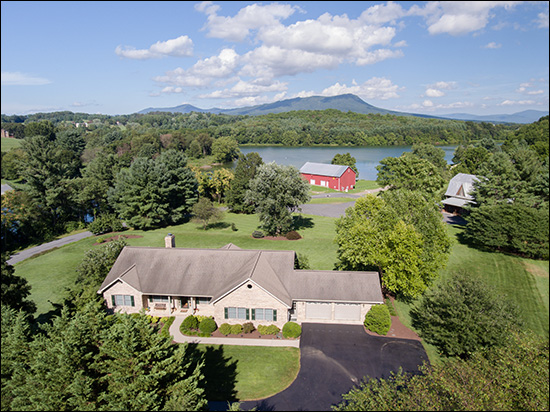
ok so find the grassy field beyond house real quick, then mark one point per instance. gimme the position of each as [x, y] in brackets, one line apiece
[523, 281]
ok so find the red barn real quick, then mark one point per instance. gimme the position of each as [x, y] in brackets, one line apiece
[335, 177]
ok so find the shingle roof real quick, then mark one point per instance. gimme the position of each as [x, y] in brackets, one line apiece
[216, 272]
[323, 169]
[461, 186]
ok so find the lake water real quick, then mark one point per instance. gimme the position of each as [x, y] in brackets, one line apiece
[367, 157]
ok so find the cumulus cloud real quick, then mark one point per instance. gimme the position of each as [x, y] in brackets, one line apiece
[516, 102]
[492, 45]
[179, 47]
[458, 18]
[202, 73]
[22, 79]
[375, 88]
[436, 89]
[542, 20]
[249, 18]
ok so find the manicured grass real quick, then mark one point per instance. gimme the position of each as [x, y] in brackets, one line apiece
[524, 281]
[360, 186]
[9, 143]
[261, 371]
[49, 273]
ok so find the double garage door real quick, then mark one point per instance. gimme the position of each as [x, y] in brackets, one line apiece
[333, 311]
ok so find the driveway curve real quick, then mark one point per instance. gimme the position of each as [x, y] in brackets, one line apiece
[335, 358]
[27, 253]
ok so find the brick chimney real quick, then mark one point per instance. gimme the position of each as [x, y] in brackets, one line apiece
[170, 241]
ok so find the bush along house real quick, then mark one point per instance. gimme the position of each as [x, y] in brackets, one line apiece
[341, 178]
[234, 285]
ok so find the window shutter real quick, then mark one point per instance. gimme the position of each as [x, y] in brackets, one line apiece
[225, 312]
[274, 315]
[247, 314]
[132, 300]
[113, 299]
[253, 314]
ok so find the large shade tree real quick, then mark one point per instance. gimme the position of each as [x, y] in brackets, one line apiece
[277, 191]
[372, 236]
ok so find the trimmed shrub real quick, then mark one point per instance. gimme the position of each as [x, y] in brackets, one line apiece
[236, 329]
[268, 329]
[234, 227]
[105, 223]
[390, 307]
[292, 330]
[200, 318]
[293, 235]
[153, 319]
[248, 327]
[190, 322]
[167, 322]
[378, 319]
[225, 329]
[208, 325]
[258, 234]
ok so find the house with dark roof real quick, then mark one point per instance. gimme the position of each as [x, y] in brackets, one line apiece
[458, 193]
[234, 285]
[335, 177]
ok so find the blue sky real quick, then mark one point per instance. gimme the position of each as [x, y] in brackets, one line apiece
[422, 57]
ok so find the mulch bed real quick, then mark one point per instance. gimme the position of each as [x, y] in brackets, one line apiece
[397, 330]
[251, 335]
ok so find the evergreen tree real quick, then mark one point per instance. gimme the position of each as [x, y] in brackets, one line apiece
[15, 289]
[244, 172]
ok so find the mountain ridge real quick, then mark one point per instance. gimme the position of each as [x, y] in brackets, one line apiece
[345, 103]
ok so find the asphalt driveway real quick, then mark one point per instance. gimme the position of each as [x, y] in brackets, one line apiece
[334, 358]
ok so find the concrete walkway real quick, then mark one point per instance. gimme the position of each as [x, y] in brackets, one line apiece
[24, 254]
[180, 338]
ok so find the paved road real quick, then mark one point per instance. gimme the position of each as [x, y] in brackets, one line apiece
[335, 358]
[19, 256]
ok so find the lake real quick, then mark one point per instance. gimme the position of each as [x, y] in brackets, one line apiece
[367, 157]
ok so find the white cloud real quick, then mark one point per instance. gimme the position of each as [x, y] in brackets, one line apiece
[179, 47]
[381, 13]
[375, 88]
[542, 20]
[516, 102]
[435, 89]
[458, 17]
[434, 93]
[22, 79]
[202, 73]
[492, 45]
[249, 18]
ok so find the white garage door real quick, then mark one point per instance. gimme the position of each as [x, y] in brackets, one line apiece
[318, 310]
[347, 311]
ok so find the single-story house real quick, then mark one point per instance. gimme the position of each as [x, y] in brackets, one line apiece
[235, 286]
[335, 177]
[458, 193]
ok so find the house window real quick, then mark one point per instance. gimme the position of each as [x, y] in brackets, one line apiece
[159, 299]
[264, 314]
[202, 301]
[237, 313]
[123, 300]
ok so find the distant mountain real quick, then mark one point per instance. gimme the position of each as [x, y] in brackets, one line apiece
[527, 116]
[345, 103]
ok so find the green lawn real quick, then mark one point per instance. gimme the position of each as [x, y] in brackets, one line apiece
[524, 281]
[260, 371]
[360, 186]
[9, 143]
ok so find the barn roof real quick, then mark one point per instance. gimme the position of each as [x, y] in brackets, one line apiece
[323, 169]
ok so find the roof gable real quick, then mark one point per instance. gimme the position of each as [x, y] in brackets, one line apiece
[323, 169]
[461, 186]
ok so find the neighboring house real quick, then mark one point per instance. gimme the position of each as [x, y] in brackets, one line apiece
[459, 192]
[236, 286]
[6, 188]
[335, 177]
